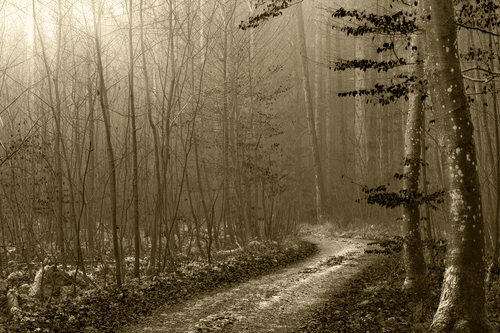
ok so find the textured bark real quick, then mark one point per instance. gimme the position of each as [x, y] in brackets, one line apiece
[425, 192]
[495, 232]
[416, 270]
[462, 304]
[483, 130]
[424, 182]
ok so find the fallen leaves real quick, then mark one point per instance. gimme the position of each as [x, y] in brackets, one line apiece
[374, 300]
[109, 309]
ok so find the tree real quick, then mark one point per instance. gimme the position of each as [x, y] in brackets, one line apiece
[318, 173]
[156, 144]
[401, 25]
[416, 270]
[135, 175]
[55, 106]
[462, 304]
[103, 99]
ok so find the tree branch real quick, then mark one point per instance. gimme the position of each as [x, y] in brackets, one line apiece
[478, 29]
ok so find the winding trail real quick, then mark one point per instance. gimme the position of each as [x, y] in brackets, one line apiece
[271, 303]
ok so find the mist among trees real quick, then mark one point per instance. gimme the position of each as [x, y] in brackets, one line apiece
[135, 134]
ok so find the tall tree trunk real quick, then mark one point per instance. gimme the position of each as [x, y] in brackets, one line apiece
[103, 99]
[496, 219]
[425, 192]
[332, 130]
[55, 106]
[90, 217]
[135, 175]
[319, 186]
[172, 102]
[360, 139]
[424, 182]
[156, 142]
[225, 129]
[318, 103]
[462, 304]
[252, 225]
[416, 270]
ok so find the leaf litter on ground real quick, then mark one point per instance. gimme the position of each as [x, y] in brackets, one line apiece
[373, 301]
[273, 302]
[331, 292]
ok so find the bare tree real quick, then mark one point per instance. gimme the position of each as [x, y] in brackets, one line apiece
[55, 106]
[319, 186]
[103, 99]
[135, 175]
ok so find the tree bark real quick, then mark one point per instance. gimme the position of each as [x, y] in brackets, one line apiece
[426, 209]
[416, 271]
[462, 304]
[103, 98]
[90, 217]
[156, 142]
[495, 233]
[310, 114]
[228, 223]
[360, 140]
[55, 106]
[135, 175]
[318, 104]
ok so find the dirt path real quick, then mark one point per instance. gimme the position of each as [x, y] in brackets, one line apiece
[272, 303]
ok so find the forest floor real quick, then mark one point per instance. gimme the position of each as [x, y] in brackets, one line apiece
[278, 302]
[322, 281]
[338, 289]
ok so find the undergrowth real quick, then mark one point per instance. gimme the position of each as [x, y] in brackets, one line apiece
[373, 301]
[108, 309]
[337, 228]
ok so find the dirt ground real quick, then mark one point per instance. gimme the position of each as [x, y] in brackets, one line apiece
[272, 303]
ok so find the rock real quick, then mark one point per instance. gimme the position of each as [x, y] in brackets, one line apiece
[48, 282]
[12, 302]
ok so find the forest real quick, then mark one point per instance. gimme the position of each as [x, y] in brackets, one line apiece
[154, 150]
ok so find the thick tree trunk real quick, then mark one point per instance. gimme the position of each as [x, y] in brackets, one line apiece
[416, 270]
[426, 209]
[495, 232]
[462, 304]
